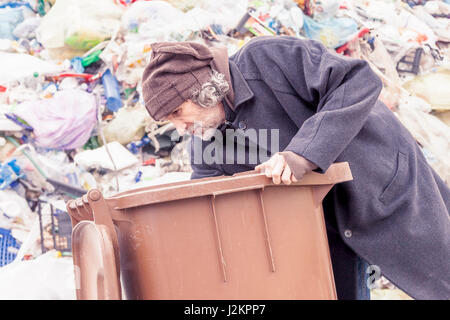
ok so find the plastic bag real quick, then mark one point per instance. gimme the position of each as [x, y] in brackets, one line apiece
[11, 14]
[62, 122]
[14, 210]
[154, 20]
[128, 125]
[432, 87]
[437, 7]
[440, 27]
[82, 24]
[99, 158]
[9, 19]
[26, 29]
[17, 66]
[291, 18]
[46, 277]
[325, 9]
[332, 32]
[431, 133]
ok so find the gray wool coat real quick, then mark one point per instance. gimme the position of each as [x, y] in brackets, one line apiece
[395, 211]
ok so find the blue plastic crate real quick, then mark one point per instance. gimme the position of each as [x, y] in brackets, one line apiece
[7, 242]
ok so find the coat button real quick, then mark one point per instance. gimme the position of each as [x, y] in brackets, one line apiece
[348, 233]
[242, 125]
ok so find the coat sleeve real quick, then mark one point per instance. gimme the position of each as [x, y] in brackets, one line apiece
[340, 90]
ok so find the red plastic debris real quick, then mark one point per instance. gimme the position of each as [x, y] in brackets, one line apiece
[149, 162]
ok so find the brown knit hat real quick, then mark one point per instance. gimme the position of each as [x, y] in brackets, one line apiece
[175, 71]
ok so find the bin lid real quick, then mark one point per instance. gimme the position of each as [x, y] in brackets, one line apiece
[96, 276]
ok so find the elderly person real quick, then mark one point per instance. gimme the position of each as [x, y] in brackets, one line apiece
[318, 108]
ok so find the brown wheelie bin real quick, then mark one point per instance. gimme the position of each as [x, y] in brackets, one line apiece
[238, 237]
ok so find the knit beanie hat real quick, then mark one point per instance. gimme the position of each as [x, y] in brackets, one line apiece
[175, 71]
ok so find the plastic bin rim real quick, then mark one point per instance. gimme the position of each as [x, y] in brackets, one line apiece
[338, 172]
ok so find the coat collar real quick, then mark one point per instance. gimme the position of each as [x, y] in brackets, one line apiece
[242, 91]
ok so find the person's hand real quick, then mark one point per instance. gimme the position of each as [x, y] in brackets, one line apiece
[278, 169]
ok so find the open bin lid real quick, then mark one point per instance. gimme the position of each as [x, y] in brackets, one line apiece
[96, 276]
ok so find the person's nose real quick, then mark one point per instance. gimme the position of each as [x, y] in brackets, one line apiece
[180, 126]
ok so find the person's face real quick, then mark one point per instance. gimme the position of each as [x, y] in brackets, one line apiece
[193, 119]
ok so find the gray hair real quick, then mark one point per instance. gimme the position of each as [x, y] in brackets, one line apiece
[211, 92]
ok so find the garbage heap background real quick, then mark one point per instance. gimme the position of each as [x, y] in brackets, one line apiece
[71, 109]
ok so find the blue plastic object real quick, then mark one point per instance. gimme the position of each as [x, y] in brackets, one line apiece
[15, 119]
[112, 91]
[9, 173]
[16, 4]
[138, 177]
[8, 247]
[77, 66]
[134, 146]
[9, 19]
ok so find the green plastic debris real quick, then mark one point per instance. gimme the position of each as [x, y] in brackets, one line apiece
[91, 144]
[41, 8]
[81, 42]
[128, 92]
[93, 57]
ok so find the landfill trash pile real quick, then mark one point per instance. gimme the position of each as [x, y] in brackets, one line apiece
[72, 115]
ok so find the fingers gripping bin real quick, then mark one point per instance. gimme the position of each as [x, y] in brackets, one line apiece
[239, 237]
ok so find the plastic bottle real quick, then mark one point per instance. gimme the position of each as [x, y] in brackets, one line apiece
[33, 82]
[112, 92]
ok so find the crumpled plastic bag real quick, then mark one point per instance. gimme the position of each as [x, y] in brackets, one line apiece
[291, 18]
[441, 27]
[14, 210]
[128, 125]
[432, 87]
[9, 19]
[16, 66]
[81, 24]
[430, 132]
[325, 9]
[64, 121]
[99, 158]
[45, 278]
[437, 7]
[156, 20]
[26, 28]
[333, 32]
[11, 14]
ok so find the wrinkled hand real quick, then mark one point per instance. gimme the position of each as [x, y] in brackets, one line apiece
[278, 169]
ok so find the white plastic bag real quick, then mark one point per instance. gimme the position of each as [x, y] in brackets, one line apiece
[79, 24]
[432, 87]
[14, 210]
[431, 133]
[99, 157]
[45, 278]
[16, 66]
